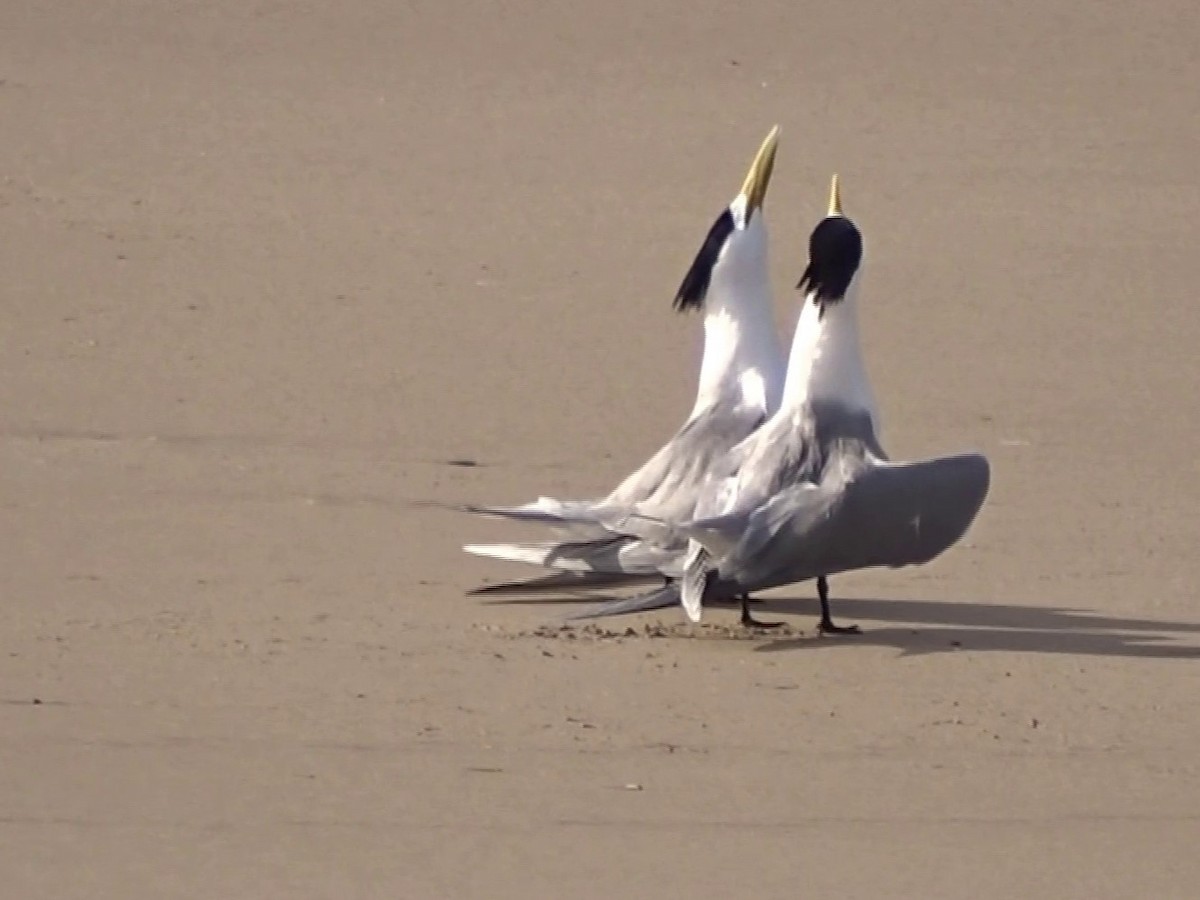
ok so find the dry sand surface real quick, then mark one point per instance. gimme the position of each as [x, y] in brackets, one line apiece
[270, 266]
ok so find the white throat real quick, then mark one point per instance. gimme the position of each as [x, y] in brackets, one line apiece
[826, 362]
[741, 343]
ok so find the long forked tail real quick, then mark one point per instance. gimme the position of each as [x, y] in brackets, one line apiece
[612, 553]
[695, 580]
[539, 553]
[599, 555]
[659, 598]
[568, 515]
[562, 582]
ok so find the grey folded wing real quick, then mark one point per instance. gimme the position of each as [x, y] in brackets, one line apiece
[669, 484]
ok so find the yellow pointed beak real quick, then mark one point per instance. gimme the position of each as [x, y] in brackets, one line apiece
[835, 198]
[759, 176]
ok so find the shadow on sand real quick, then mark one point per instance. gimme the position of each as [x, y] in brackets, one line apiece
[923, 626]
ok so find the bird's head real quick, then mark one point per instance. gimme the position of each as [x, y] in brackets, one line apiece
[835, 252]
[736, 245]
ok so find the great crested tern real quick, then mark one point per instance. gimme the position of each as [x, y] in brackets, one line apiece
[740, 386]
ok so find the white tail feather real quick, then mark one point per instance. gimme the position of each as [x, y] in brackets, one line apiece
[533, 554]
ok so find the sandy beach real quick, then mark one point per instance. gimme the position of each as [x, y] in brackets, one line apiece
[274, 272]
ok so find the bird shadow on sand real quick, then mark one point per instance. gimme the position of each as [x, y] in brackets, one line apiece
[918, 627]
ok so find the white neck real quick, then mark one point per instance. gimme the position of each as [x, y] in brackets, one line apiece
[826, 361]
[741, 342]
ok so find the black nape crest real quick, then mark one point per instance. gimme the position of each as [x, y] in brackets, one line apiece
[694, 288]
[834, 253]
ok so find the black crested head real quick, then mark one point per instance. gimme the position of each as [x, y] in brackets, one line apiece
[834, 254]
[694, 288]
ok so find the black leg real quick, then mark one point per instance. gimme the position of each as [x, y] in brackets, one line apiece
[748, 621]
[826, 626]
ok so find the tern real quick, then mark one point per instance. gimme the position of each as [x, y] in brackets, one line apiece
[740, 386]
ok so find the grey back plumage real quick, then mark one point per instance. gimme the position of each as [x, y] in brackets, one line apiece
[793, 448]
[668, 485]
